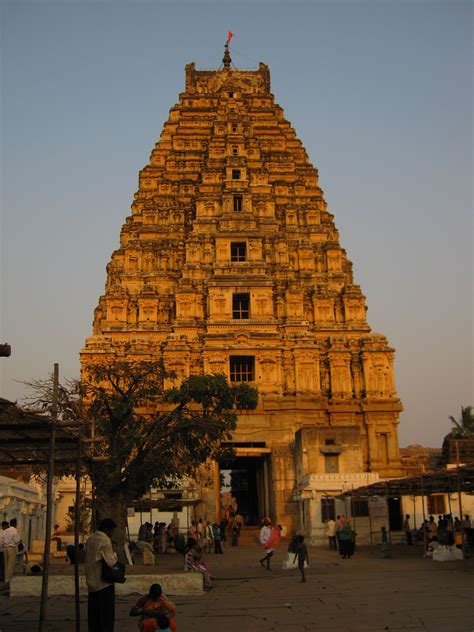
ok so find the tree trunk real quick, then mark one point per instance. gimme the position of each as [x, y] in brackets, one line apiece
[115, 506]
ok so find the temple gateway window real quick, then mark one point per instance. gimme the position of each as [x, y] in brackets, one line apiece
[238, 251]
[238, 203]
[242, 368]
[240, 306]
[436, 504]
[235, 174]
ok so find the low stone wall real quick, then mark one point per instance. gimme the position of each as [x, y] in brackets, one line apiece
[172, 584]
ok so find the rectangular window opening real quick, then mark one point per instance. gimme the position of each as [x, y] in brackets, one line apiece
[328, 509]
[238, 203]
[234, 128]
[235, 174]
[235, 151]
[240, 306]
[242, 368]
[436, 504]
[238, 251]
[359, 508]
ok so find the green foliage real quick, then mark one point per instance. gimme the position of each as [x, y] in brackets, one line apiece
[145, 435]
[149, 434]
[465, 426]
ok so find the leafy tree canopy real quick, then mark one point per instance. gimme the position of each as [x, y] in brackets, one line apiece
[147, 435]
[465, 426]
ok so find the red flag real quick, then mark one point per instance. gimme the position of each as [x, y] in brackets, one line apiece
[229, 36]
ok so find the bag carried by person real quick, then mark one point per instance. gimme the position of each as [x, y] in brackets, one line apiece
[113, 574]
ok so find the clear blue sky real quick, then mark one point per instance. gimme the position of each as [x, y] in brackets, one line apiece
[379, 92]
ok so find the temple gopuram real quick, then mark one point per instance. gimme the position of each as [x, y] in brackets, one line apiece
[230, 262]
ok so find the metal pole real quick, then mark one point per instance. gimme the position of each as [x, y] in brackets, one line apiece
[93, 503]
[414, 511]
[388, 513]
[425, 535]
[49, 502]
[463, 532]
[353, 501]
[77, 519]
[369, 512]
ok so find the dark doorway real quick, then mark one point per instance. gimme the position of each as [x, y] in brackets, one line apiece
[243, 488]
[395, 513]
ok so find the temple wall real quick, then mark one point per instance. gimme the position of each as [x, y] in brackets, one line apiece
[230, 262]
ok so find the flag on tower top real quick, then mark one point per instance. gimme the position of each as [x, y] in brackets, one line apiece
[229, 36]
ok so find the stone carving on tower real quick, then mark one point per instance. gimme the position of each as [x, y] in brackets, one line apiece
[230, 262]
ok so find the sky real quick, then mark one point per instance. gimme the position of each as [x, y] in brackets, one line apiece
[380, 94]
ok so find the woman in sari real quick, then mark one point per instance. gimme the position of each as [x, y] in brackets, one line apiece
[345, 537]
[150, 606]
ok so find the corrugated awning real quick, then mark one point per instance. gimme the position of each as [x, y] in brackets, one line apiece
[441, 481]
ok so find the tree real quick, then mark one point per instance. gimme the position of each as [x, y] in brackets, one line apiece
[465, 426]
[146, 435]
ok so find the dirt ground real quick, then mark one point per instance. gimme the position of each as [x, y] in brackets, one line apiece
[363, 594]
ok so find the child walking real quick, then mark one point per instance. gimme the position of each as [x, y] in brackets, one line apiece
[302, 554]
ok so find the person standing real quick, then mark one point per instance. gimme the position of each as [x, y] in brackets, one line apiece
[264, 537]
[339, 525]
[208, 538]
[11, 540]
[199, 530]
[344, 537]
[216, 536]
[101, 602]
[192, 532]
[331, 534]
[385, 543]
[5, 525]
[407, 530]
[223, 530]
[235, 529]
[302, 554]
[270, 539]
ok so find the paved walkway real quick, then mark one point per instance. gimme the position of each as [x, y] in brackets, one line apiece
[362, 594]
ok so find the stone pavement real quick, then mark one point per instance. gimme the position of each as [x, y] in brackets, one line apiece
[361, 594]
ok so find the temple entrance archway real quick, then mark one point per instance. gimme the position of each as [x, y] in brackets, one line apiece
[244, 484]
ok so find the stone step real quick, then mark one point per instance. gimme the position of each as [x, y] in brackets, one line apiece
[172, 583]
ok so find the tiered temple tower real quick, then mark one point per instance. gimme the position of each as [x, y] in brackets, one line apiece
[230, 262]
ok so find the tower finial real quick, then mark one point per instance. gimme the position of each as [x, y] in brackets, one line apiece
[226, 59]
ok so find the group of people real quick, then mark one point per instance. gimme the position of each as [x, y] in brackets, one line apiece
[158, 539]
[446, 530]
[341, 536]
[214, 536]
[155, 540]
